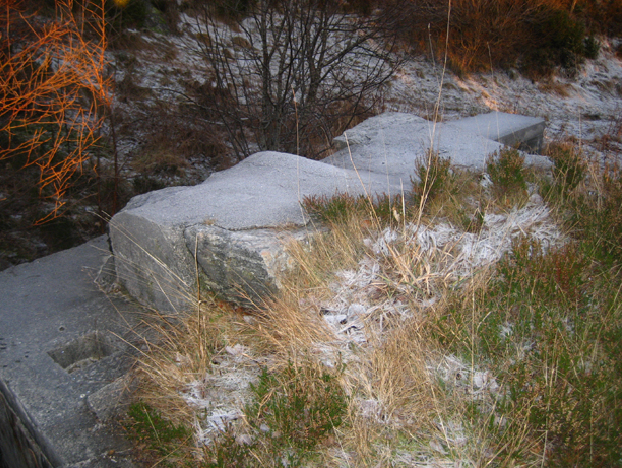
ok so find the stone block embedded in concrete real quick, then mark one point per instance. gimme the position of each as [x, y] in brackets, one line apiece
[63, 342]
[228, 226]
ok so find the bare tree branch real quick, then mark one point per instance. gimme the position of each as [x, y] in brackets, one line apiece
[291, 73]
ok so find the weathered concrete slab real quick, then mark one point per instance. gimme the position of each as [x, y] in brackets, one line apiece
[59, 345]
[526, 133]
[390, 143]
[230, 230]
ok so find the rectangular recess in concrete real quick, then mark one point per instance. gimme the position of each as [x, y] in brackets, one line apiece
[83, 351]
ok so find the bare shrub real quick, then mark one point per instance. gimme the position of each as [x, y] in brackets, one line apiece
[293, 84]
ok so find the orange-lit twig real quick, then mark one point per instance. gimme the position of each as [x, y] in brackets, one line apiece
[53, 87]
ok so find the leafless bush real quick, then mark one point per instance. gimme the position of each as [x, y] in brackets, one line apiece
[291, 73]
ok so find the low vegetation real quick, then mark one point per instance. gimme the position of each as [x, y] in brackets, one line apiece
[450, 326]
[536, 37]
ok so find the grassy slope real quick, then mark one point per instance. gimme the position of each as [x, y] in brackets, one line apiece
[473, 322]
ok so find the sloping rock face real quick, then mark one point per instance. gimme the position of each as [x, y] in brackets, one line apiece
[228, 233]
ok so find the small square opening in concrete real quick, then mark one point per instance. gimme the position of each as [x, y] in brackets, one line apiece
[83, 351]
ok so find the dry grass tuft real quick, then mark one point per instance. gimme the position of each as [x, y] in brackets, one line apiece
[185, 348]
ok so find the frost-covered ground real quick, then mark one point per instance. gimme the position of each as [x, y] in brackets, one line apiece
[357, 317]
[587, 106]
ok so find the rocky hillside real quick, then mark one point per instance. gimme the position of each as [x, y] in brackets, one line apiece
[155, 137]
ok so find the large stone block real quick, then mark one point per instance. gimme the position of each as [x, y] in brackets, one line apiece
[242, 264]
[233, 227]
[228, 233]
[390, 143]
[152, 261]
[526, 133]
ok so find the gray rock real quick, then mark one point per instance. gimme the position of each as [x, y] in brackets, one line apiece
[390, 143]
[527, 133]
[152, 261]
[243, 265]
[235, 216]
[228, 233]
[106, 277]
[112, 400]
